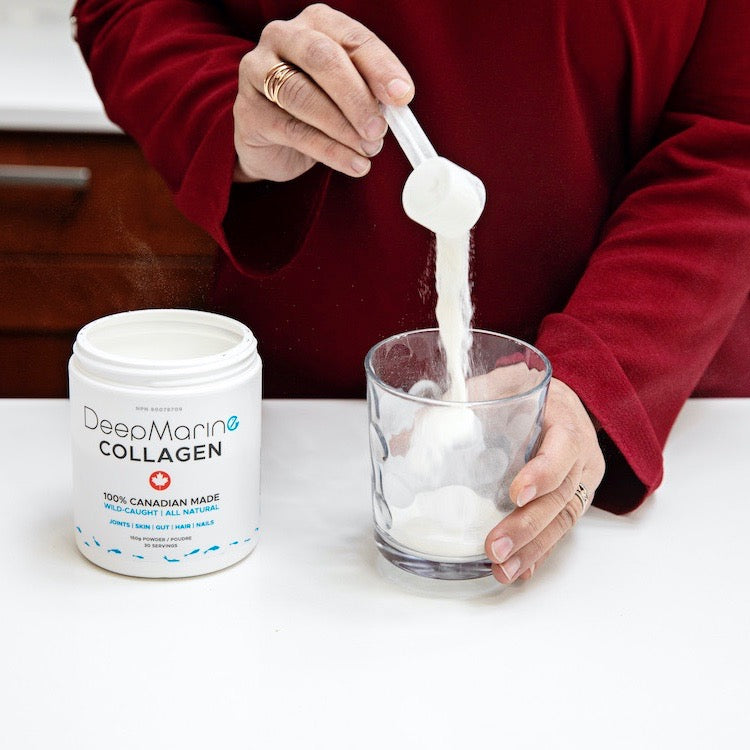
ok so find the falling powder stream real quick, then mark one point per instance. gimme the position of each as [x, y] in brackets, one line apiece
[454, 310]
[452, 519]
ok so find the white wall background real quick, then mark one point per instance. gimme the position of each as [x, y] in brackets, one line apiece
[34, 12]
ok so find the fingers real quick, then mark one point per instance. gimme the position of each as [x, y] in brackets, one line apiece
[261, 125]
[527, 536]
[568, 441]
[329, 111]
[329, 94]
[501, 382]
[382, 73]
[545, 488]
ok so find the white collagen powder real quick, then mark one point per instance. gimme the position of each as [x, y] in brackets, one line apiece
[454, 310]
[451, 520]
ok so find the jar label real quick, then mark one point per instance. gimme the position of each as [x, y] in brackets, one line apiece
[166, 483]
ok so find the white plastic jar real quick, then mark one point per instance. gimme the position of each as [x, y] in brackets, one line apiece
[165, 420]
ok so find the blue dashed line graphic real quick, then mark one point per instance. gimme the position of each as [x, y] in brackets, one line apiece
[192, 553]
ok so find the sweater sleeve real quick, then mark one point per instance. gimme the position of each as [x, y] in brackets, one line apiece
[167, 73]
[672, 271]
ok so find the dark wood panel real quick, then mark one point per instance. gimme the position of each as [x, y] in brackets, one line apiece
[126, 206]
[71, 255]
[35, 366]
[50, 294]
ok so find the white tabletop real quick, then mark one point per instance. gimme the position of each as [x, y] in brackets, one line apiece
[634, 635]
[45, 84]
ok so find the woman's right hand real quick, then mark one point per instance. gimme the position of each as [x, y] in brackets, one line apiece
[328, 112]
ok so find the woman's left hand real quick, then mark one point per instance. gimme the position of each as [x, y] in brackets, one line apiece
[545, 489]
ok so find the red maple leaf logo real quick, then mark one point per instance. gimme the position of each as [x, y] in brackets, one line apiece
[160, 480]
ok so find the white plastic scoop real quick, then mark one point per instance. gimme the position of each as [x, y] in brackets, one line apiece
[438, 194]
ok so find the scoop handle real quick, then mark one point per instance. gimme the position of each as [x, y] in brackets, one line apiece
[409, 134]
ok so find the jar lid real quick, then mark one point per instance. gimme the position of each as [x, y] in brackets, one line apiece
[164, 348]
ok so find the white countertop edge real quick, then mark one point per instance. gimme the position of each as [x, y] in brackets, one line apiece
[59, 120]
[46, 85]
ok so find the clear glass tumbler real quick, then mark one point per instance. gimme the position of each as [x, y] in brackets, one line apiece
[441, 469]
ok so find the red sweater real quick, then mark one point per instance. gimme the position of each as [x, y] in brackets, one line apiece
[614, 141]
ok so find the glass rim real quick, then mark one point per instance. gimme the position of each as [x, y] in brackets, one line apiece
[374, 377]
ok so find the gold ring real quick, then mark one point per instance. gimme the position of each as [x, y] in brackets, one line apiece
[583, 495]
[276, 77]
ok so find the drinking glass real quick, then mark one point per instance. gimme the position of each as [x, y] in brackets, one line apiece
[441, 469]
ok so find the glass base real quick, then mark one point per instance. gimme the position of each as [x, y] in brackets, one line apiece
[438, 567]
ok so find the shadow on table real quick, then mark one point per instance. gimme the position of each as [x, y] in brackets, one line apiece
[371, 568]
[365, 566]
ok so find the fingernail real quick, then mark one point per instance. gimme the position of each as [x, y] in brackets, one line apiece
[511, 567]
[360, 165]
[527, 494]
[398, 88]
[375, 128]
[501, 548]
[372, 147]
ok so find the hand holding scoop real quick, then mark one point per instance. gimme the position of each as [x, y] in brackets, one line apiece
[438, 194]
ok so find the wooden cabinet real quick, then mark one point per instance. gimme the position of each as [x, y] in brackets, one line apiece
[87, 228]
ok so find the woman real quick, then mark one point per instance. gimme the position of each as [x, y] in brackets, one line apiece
[615, 147]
